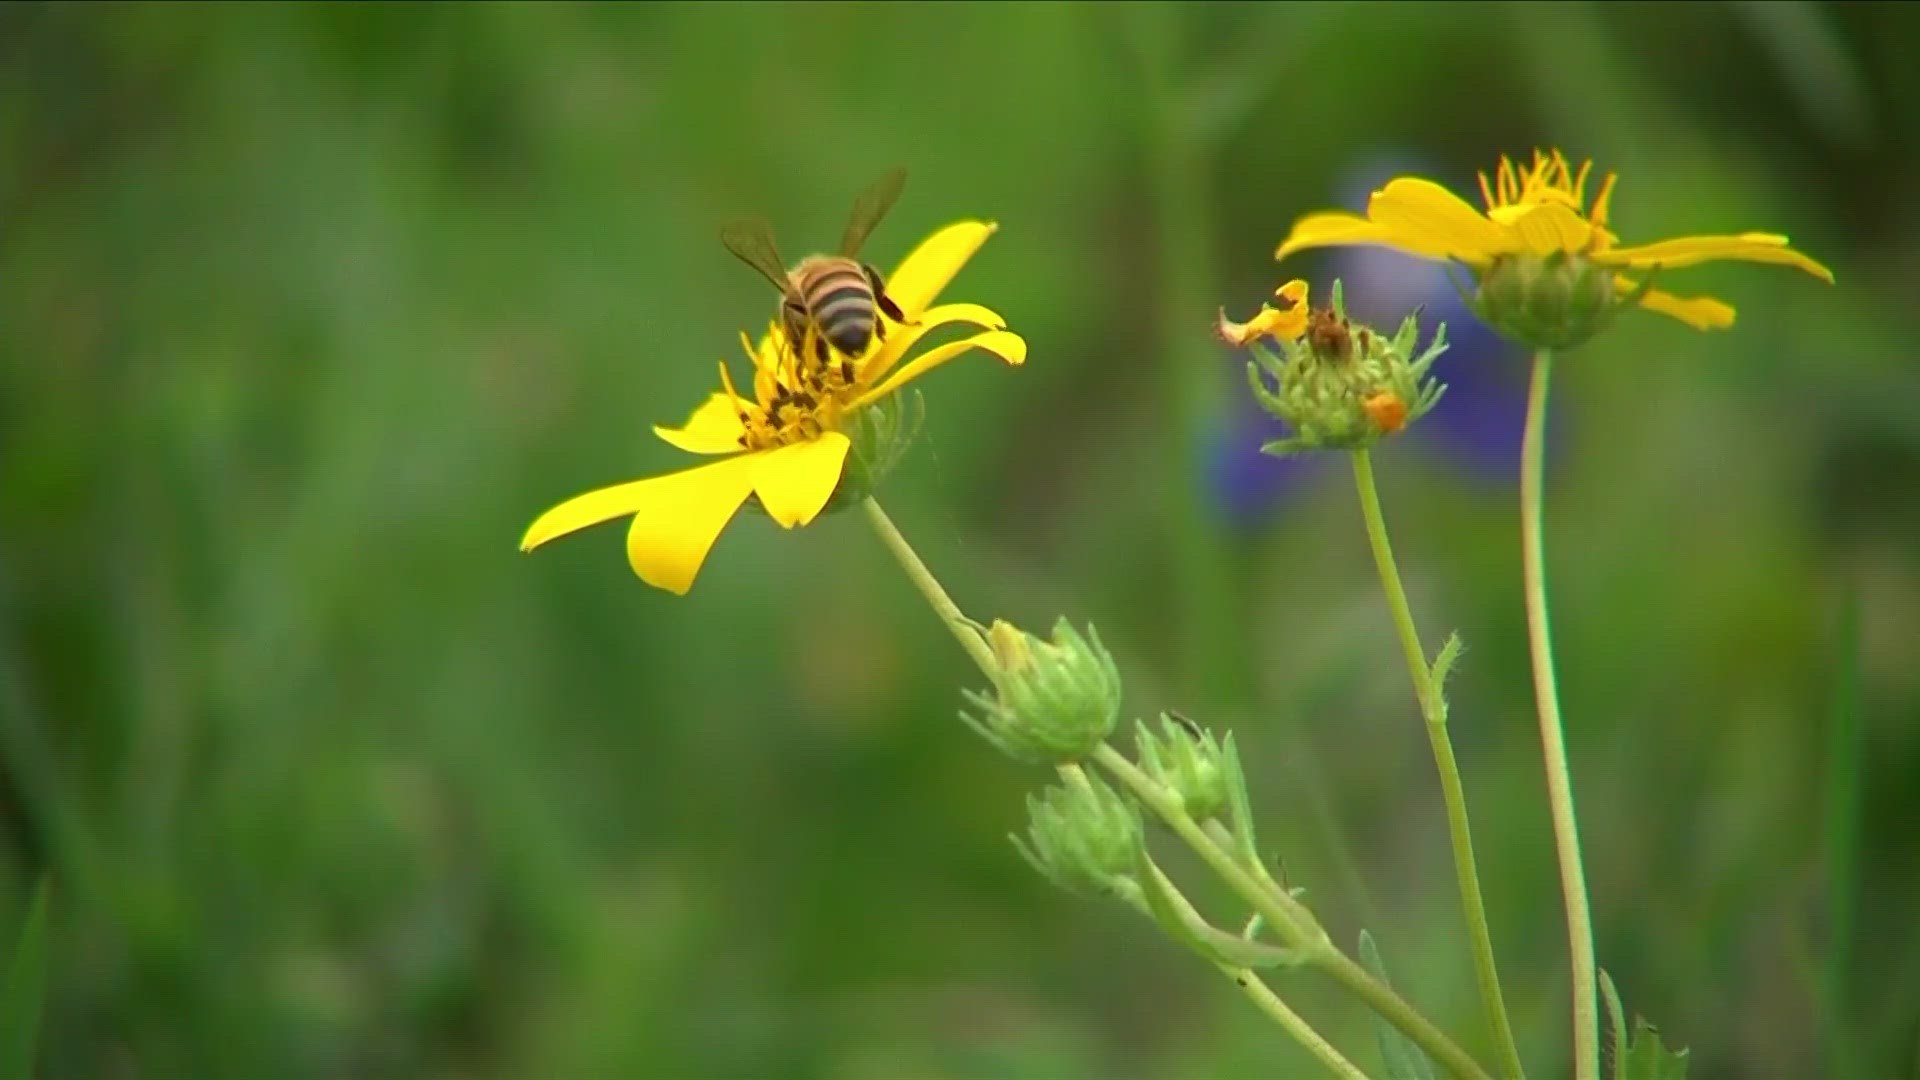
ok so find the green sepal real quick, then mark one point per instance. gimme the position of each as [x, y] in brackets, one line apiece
[1239, 806]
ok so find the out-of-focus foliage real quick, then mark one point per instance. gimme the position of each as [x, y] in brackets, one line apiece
[306, 310]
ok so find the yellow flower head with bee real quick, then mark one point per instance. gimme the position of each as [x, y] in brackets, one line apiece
[783, 437]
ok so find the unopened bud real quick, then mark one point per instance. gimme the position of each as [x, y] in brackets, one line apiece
[1083, 836]
[1187, 761]
[1053, 701]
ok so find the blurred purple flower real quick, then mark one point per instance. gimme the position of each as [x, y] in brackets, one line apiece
[1478, 423]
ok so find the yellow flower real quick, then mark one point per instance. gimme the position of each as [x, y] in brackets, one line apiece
[787, 443]
[1281, 324]
[1538, 211]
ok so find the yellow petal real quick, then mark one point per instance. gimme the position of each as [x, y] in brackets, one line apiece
[902, 338]
[1426, 219]
[1006, 344]
[1691, 250]
[1548, 227]
[921, 275]
[1602, 203]
[1283, 324]
[1332, 228]
[1699, 312]
[676, 519]
[795, 481]
[714, 428]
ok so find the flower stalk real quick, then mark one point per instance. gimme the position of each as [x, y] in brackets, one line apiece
[1256, 990]
[1433, 707]
[1290, 920]
[1553, 741]
[963, 628]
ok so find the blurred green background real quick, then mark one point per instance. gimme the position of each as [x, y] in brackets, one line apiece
[307, 310]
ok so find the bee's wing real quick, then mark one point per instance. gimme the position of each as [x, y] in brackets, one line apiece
[751, 241]
[872, 205]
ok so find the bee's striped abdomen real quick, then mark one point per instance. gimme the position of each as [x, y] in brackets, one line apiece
[841, 301]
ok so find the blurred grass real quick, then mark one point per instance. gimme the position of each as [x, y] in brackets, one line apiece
[305, 310]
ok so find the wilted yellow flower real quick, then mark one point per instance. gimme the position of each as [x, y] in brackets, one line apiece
[1337, 384]
[1535, 213]
[1280, 324]
[787, 443]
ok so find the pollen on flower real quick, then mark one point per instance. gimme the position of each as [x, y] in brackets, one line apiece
[1387, 411]
[796, 397]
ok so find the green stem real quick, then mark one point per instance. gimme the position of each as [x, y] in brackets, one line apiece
[1268, 1002]
[1291, 921]
[1250, 984]
[929, 586]
[1289, 918]
[1264, 999]
[1553, 740]
[1453, 793]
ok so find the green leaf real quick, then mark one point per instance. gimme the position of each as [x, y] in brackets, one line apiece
[1179, 919]
[1438, 673]
[1641, 1057]
[1647, 1059]
[24, 991]
[1616, 1024]
[1443, 663]
[1403, 1059]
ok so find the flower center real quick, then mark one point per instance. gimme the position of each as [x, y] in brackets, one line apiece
[1516, 191]
[797, 397]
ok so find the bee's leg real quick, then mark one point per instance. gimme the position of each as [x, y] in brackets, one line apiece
[887, 307]
[794, 321]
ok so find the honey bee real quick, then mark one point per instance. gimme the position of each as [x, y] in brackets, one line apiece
[837, 296]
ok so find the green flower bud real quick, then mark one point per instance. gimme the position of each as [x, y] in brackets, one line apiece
[1553, 301]
[1083, 836]
[1187, 761]
[1053, 701]
[1342, 386]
